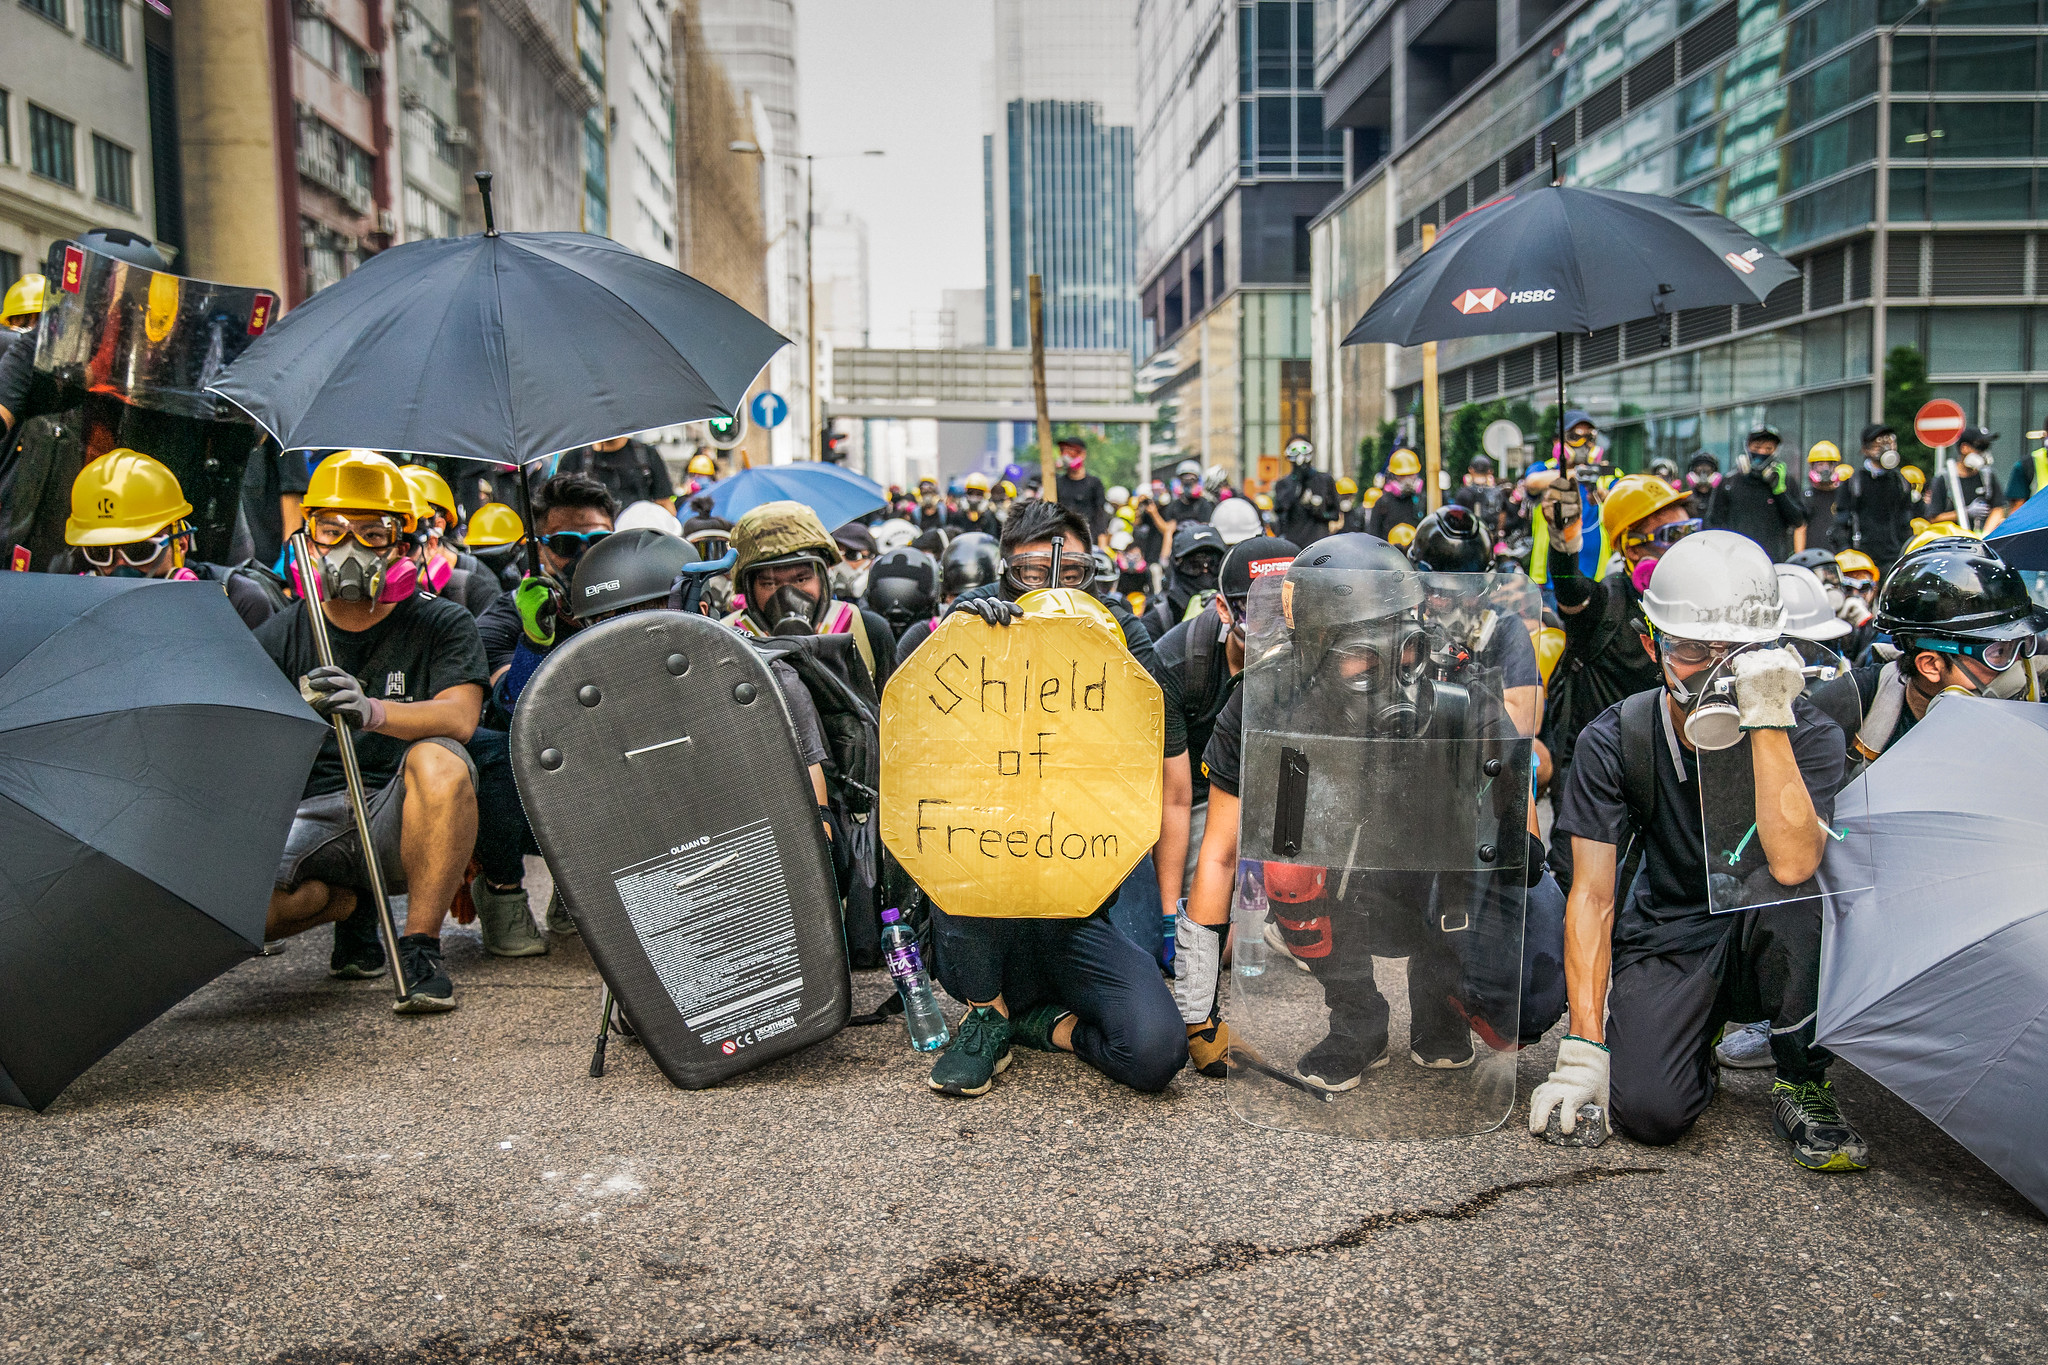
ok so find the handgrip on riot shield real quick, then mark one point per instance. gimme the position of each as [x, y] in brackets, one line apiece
[1290, 802]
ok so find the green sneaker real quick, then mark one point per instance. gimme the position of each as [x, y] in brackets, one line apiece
[1808, 1117]
[979, 1052]
[1035, 1029]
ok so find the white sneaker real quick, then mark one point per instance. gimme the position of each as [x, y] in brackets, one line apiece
[1747, 1048]
[1278, 943]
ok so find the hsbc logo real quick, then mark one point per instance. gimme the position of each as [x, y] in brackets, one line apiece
[1746, 262]
[1488, 299]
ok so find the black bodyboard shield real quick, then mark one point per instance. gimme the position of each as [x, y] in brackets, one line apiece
[660, 775]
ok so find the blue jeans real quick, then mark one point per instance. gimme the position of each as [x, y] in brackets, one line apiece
[502, 836]
[1128, 1027]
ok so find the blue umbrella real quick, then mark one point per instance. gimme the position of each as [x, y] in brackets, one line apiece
[835, 495]
[2022, 538]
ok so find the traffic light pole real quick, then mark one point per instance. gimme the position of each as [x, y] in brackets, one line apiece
[817, 451]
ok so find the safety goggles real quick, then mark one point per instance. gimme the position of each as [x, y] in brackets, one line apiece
[1996, 655]
[1034, 571]
[135, 554]
[1665, 536]
[571, 544]
[1693, 653]
[330, 529]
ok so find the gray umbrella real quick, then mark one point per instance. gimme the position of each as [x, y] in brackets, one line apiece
[1936, 981]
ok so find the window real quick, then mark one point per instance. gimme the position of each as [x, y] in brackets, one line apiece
[1962, 195]
[10, 269]
[1276, 45]
[103, 28]
[113, 173]
[1963, 130]
[1974, 340]
[53, 10]
[331, 49]
[1965, 64]
[52, 149]
[6, 128]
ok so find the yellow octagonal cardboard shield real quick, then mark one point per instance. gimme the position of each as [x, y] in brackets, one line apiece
[1021, 763]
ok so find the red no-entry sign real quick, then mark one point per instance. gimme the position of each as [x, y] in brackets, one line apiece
[1939, 423]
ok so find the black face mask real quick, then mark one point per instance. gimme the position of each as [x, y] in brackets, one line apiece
[1196, 574]
[1393, 699]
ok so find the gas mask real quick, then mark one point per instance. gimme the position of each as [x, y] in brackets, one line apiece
[350, 572]
[848, 582]
[1390, 696]
[2016, 683]
[1973, 461]
[1197, 573]
[1887, 458]
[788, 610]
[1712, 722]
[975, 501]
[1346, 504]
[1760, 467]
[1073, 463]
[1401, 488]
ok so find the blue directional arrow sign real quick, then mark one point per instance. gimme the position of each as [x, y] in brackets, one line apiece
[768, 409]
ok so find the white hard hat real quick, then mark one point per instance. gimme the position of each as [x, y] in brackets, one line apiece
[1235, 519]
[1716, 586]
[1119, 495]
[1187, 467]
[1807, 612]
[648, 516]
[1119, 541]
[894, 534]
[1214, 475]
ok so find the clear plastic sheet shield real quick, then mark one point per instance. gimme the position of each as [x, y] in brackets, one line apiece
[1739, 875]
[1383, 843]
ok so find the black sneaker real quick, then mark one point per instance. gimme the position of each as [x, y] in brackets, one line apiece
[1455, 1058]
[1340, 1061]
[1807, 1116]
[1036, 1026]
[431, 990]
[979, 1052]
[357, 955]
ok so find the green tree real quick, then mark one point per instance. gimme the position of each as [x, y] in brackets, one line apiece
[1112, 452]
[1464, 435]
[1373, 450]
[1906, 391]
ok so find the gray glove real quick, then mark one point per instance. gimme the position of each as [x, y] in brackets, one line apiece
[993, 610]
[335, 692]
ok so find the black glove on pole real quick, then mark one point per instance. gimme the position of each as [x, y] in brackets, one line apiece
[345, 740]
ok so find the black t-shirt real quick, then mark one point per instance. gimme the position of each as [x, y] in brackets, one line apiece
[633, 472]
[1183, 508]
[1665, 910]
[424, 647]
[499, 631]
[965, 519]
[266, 478]
[1389, 512]
[1304, 505]
[1745, 504]
[1980, 486]
[1510, 655]
[1194, 704]
[1086, 496]
[1880, 507]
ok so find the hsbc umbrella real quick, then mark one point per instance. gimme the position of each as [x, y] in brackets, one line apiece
[1561, 259]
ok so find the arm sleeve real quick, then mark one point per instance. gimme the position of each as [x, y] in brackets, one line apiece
[1222, 758]
[1791, 508]
[498, 629]
[659, 482]
[1593, 806]
[1138, 640]
[803, 713]
[457, 653]
[1573, 588]
[2019, 483]
[17, 366]
[1167, 673]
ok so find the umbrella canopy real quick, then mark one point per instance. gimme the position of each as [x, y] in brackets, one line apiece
[1934, 981]
[151, 758]
[504, 347]
[2022, 538]
[1562, 259]
[834, 494]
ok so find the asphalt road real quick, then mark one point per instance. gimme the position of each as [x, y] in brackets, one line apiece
[282, 1171]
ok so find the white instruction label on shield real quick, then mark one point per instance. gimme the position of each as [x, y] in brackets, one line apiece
[715, 918]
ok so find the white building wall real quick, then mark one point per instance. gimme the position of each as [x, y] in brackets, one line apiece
[640, 95]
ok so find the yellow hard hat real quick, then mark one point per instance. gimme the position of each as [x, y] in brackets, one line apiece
[1940, 530]
[1632, 497]
[1855, 561]
[1913, 474]
[1402, 536]
[702, 465]
[1550, 644]
[1370, 495]
[1347, 487]
[1824, 452]
[122, 497]
[1065, 602]
[975, 483]
[1403, 463]
[1263, 502]
[430, 488]
[360, 481]
[1127, 515]
[26, 297]
[1008, 489]
[493, 524]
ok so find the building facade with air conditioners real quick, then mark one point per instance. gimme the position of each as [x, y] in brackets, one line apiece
[1233, 165]
[1898, 155]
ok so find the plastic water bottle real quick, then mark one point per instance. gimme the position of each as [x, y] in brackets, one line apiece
[1248, 949]
[921, 1012]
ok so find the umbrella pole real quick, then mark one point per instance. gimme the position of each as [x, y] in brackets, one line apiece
[1562, 454]
[526, 515]
[351, 772]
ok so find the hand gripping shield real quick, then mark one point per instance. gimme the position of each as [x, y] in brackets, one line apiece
[660, 774]
[1384, 837]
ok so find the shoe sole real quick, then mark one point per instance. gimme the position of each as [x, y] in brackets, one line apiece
[1442, 1064]
[1737, 1064]
[966, 1092]
[422, 1004]
[356, 973]
[1836, 1161]
[1338, 1087]
[539, 949]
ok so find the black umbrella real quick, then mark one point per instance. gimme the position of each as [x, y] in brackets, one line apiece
[151, 757]
[1559, 259]
[505, 348]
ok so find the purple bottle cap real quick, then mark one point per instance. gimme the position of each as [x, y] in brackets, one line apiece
[891, 915]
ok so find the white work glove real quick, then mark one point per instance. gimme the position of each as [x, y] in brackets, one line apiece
[1978, 511]
[1766, 681]
[1854, 610]
[1197, 955]
[1579, 1078]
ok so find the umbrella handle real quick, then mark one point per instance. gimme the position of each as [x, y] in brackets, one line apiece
[351, 772]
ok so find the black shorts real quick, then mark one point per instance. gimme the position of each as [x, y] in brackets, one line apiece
[324, 847]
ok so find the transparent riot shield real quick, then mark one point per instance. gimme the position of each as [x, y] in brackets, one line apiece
[1740, 874]
[1384, 797]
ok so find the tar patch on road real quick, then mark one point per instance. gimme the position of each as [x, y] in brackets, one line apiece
[1078, 1314]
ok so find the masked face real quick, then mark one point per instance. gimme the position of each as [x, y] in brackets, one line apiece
[787, 598]
[848, 581]
[1691, 670]
[1198, 571]
[1191, 486]
[1073, 460]
[1375, 672]
[350, 572]
[1973, 460]
[975, 500]
[1578, 438]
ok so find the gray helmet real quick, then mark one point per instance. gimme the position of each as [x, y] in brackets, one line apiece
[625, 569]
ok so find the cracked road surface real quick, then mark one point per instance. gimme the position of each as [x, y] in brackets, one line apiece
[282, 1171]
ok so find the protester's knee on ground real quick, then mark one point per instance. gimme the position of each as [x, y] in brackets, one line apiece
[1656, 1120]
[1148, 1049]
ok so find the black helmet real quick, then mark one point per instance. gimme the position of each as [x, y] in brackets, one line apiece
[972, 560]
[1451, 540]
[1326, 593]
[1814, 559]
[124, 245]
[1105, 572]
[625, 569]
[1955, 590]
[1764, 431]
[903, 585]
[1664, 469]
[1192, 536]
[1479, 464]
[1704, 459]
[1350, 595]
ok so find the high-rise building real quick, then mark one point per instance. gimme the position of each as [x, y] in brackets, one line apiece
[77, 137]
[640, 92]
[431, 137]
[754, 41]
[1888, 149]
[1233, 164]
[1057, 167]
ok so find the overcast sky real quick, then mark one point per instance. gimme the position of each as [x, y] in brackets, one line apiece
[903, 76]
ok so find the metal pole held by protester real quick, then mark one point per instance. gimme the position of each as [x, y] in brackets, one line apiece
[351, 772]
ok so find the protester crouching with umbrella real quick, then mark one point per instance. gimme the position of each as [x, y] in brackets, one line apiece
[408, 678]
